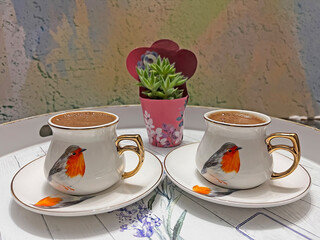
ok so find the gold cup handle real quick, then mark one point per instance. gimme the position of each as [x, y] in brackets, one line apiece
[294, 150]
[139, 150]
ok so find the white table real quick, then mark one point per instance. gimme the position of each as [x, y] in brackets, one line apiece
[20, 143]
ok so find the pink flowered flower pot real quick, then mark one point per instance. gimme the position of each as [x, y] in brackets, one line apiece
[164, 120]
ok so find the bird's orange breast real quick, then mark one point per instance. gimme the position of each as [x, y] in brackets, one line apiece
[75, 166]
[230, 162]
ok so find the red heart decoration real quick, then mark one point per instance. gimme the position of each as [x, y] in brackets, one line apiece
[185, 60]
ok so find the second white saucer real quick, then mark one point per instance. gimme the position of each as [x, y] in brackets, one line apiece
[181, 169]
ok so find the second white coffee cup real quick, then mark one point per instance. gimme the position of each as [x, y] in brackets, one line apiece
[238, 155]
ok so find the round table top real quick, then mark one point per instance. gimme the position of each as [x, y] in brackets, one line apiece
[168, 212]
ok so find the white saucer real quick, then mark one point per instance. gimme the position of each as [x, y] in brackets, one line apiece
[29, 186]
[181, 169]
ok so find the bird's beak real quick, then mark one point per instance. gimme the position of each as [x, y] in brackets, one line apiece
[238, 148]
[83, 149]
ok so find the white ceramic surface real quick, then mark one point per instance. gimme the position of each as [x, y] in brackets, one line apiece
[235, 156]
[95, 162]
[181, 168]
[29, 186]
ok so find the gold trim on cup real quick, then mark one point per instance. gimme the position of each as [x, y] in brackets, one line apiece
[294, 150]
[139, 150]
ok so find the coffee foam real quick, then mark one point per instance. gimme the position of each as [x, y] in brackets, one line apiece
[83, 119]
[236, 117]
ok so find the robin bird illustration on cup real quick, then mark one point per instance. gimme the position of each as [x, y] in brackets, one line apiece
[224, 164]
[69, 168]
[59, 202]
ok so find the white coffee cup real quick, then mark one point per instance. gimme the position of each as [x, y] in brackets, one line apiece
[84, 156]
[237, 155]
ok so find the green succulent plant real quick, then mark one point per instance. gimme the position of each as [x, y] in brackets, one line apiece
[161, 80]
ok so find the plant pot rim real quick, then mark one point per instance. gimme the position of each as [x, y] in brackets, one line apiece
[163, 100]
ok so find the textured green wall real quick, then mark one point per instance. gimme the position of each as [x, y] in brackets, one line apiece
[57, 55]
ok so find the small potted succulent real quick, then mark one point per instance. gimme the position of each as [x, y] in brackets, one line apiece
[162, 71]
[160, 80]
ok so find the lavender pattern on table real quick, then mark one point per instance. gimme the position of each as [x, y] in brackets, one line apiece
[142, 222]
[138, 219]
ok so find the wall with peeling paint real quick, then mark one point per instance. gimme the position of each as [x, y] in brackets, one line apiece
[260, 55]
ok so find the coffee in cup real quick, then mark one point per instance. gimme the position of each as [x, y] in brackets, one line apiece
[235, 151]
[83, 119]
[235, 117]
[85, 156]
